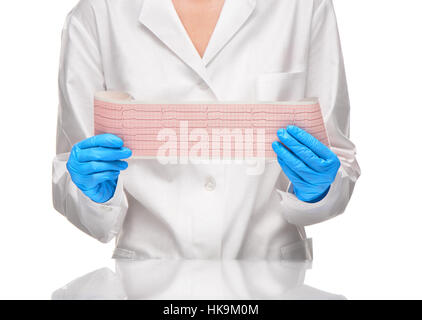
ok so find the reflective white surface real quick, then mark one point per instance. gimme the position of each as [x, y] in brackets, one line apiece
[195, 279]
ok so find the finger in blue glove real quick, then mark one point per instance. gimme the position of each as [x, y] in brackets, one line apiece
[94, 165]
[309, 164]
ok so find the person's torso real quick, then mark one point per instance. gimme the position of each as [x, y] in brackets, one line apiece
[258, 52]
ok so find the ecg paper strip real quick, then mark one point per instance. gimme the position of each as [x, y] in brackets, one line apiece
[140, 124]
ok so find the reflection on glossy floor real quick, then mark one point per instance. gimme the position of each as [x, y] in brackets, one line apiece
[193, 279]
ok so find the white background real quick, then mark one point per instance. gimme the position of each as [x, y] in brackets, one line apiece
[372, 251]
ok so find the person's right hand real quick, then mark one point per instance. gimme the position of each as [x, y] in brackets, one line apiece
[95, 163]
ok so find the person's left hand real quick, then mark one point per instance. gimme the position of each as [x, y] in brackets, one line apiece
[308, 163]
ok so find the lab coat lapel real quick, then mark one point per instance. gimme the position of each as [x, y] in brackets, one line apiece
[160, 17]
[233, 16]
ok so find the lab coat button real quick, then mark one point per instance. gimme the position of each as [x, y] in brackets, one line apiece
[210, 184]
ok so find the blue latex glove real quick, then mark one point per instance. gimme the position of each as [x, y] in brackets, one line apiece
[308, 163]
[94, 165]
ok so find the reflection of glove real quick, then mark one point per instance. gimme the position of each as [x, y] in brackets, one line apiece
[94, 165]
[309, 164]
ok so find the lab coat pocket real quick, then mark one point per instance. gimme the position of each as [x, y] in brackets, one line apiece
[299, 250]
[285, 86]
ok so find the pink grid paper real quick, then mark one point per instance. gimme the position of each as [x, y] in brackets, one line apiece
[139, 123]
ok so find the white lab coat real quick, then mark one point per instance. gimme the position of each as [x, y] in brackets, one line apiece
[261, 50]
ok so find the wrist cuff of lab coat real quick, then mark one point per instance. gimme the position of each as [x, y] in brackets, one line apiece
[302, 213]
[104, 220]
[318, 199]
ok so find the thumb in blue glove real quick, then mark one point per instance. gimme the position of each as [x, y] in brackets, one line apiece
[95, 163]
[309, 164]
